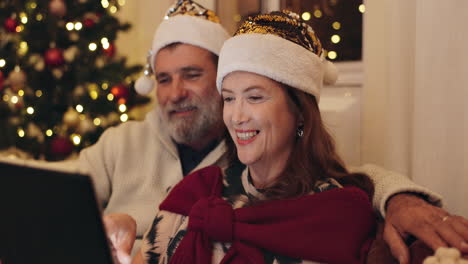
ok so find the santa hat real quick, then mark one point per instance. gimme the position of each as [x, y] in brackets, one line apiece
[280, 46]
[185, 22]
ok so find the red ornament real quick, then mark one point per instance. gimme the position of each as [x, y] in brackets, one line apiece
[110, 51]
[88, 23]
[54, 57]
[120, 92]
[10, 25]
[61, 146]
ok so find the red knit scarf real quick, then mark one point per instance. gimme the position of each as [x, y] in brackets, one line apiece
[334, 226]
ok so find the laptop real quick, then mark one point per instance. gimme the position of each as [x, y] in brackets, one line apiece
[49, 217]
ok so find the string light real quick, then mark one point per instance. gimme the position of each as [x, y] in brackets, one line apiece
[318, 13]
[82, 117]
[362, 8]
[113, 9]
[6, 97]
[19, 28]
[76, 139]
[92, 46]
[78, 26]
[70, 26]
[21, 132]
[335, 38]
[23, 48]
[336, 25]
[2, 63]
[30, 110]
[110, 97]
[32, 5]
[23, 18]
[332, 55]
[39, 17]
[121, 2]
[14, 99]
[93, 94]
[105, 86]
[97, 121]
[124, 118]
[38, 93]
[49, 132]
[306, 16]
[122, 108]
[79, 108]
[105, 3]
[21, 92]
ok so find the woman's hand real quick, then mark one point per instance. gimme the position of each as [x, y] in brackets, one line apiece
[408, 214]
[121, 231]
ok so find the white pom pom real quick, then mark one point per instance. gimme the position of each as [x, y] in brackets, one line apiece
[144, 85]
[330, 74]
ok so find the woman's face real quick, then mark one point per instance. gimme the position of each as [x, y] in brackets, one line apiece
[259, 117]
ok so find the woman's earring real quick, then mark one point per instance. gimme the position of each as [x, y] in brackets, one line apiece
[300, 131]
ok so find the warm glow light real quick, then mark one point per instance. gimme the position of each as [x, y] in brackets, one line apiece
[70, 26]
[19, 28]
[23, 48]
[21, 132]
[79, 108]
[335, 38]
[2, 63]
[14, 99]
[122, 108]
[124, 117]
[39, 17]
[49, 132]
[318, 13]
[113, 9]
[306, 16]
[38, 93]
[105, 3]
[104, 41]
[92, 46]
[76, 139]
[336, 25]
[30, 110]
[6, 97]
[362, 8]
[332, 55]
[110, 97]
[121, 2]
[93, 94]
[32, 5]
[24, 19]
[105, 45]
[104, 86]
[97, 121]
[78, 26]
[21, 92]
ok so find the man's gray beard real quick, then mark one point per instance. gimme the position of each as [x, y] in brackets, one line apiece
[188, 130]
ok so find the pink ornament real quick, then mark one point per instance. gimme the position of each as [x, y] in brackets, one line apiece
[54, 57]
[61, 146]
[10, 25]
[57, 8]
[88, 23]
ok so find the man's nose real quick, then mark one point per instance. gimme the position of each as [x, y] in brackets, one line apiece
[178, 91]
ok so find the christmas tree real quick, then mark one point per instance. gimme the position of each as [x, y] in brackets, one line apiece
[61, 82]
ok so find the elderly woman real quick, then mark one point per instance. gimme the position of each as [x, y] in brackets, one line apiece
[292, 199]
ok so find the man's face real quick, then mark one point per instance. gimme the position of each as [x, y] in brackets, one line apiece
[189, 103]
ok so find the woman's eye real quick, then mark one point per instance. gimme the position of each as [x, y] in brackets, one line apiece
[228, 99]
[255, 98]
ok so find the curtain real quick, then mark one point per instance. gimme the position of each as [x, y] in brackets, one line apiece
[415, 96]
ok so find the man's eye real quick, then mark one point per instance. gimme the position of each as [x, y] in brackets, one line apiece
[162, 80]
[192, 76]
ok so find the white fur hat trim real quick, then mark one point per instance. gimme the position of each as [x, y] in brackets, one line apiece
[189, 30]
[274, 57]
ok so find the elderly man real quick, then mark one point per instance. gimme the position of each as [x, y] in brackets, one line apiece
[134, 165]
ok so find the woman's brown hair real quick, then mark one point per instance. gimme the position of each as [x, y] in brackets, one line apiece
[313, 157]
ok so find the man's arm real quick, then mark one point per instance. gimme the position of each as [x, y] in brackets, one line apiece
[410, 209]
